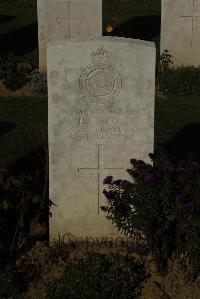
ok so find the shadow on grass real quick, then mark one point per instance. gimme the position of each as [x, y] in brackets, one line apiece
[143, 27]
[32, 164]
[186, 141]
[21, 41]
[6, 127]
[6, 18]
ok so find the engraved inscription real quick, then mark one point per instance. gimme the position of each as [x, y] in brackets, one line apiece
[68, 20]
[100, 81]
[101, 125]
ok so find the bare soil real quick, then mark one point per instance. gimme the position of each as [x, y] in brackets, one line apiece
[175, 285]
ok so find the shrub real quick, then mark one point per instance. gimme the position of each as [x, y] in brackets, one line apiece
[9, 74]
[165, 61]
[39, 82]
[12, 282]
[99, 276]
[60, 248]
[162, 205]
[20, 204]
[181, 81]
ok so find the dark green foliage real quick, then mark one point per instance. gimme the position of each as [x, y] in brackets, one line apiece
[12, 282]
[11, 77]
[181, 81]
[59, 248]
[99, 276]
[165, 61]
[19, 204]
[162, 205]
[39, 82]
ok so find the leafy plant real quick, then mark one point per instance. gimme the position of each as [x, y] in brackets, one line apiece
[165, 61]
[19, 205]
[35, 261]
[60, 248]
[39, 82]
[99, 276]
[11, 77]
[161, 205]
[12, 282]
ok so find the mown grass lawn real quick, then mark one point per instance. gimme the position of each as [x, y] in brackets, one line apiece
[18, 29]
[18, 22]
[22, 119]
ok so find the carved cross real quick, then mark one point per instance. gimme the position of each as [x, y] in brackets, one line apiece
[69, 20]
[193, 16]
[99, 170]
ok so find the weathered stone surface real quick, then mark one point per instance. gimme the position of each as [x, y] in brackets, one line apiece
[180, 31]
[101, 114]
[59, 19]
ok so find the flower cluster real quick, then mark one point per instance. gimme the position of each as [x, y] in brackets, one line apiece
[162, 202]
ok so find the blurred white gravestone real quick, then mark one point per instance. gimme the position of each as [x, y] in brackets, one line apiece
[180, 31]
[59, 19]
[101, 95]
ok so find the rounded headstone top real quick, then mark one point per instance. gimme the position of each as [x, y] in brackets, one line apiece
[112, 39]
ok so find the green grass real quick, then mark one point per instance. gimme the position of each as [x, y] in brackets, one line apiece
[29, 115]
[18, 22]
[18, 29]
[172, 114]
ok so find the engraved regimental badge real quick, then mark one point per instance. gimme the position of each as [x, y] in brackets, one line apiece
[100, 81]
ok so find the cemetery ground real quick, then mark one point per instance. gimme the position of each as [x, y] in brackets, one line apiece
[23, 149]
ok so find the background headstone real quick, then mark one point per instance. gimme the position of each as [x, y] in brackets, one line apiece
[59, 19]
[101, 114]
[180, 31]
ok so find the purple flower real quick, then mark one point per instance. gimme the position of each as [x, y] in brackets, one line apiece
[180, 169]
[3, 174]
[195, 165]
[103, 208]
[151, 156]
[181, 164]
[148, 167]
[133, 173]
[188, 207]
[118, 182]
[108, 180]
[133, 161]
[180, 182]
[169, 168]
[148, 179]
[137, 163]
[184, 227]
[141, 163]
[180, 199]
[109, 194]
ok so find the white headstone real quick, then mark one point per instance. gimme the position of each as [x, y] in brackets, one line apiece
[101, 114]
[180, 31]
[59, 19]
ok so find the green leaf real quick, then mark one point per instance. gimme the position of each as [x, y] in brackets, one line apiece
[36, 199]
[4, 205]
